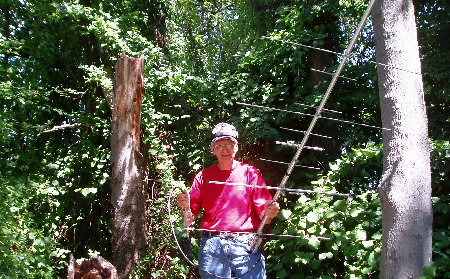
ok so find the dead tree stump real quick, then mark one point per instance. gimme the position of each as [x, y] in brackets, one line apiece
[95, 268]
[127, 178]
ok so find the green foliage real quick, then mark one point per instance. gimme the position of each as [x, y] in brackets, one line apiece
[435, 52]
[440, 160]
[206, 35]
[429, 272]
[440, 155]
[57, 63]
[352, 225]
[441, 242]
[441, 236]
[161, 249]
[26, 248]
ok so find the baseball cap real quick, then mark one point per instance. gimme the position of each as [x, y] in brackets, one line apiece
[224, 131]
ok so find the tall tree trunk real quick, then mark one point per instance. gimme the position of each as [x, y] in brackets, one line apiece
[405, 187]
[127, 184]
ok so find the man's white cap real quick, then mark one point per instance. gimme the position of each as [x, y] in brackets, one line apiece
[224, 131]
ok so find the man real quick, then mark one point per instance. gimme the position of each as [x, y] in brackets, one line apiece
[230, 213]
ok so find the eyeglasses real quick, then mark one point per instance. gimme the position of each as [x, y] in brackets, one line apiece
[224, 146]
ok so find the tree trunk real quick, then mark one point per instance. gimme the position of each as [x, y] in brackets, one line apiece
[405, 186]
[127, 184]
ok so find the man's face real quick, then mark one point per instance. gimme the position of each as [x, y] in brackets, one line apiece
[225, 150]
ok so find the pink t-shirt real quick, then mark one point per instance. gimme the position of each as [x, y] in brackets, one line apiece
[229, 207]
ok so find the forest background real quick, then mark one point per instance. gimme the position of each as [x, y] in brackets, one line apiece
[201, 57]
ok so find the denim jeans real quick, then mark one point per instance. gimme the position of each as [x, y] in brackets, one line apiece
[230, 257]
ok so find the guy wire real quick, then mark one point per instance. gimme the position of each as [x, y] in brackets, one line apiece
[313, 115]
[289, 190]
[338, 53]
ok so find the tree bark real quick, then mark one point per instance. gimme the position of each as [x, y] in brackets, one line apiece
[405, 186]
[127, 184]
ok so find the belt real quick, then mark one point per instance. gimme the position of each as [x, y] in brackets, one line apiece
[224, 234]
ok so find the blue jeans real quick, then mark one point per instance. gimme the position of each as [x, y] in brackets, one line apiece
[230, 258]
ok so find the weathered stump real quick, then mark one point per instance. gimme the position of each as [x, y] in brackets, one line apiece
[129, 237]
[95, 268]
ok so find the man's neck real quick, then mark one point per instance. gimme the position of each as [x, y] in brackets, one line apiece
[227, 165]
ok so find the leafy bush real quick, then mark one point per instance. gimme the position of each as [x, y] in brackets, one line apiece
[440, 154]
[353, 226]
[25, 248]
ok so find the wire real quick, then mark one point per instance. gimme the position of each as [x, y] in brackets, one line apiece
[289, 190]
[284, 163]
[298, 131]
[309, 114]
[339, 54]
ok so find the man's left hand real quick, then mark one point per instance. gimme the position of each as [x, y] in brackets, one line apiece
[271, 210]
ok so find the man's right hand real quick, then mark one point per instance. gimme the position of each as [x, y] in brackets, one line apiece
[183, 201]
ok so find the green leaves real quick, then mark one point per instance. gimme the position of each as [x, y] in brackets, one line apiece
[360, 235]
[284, 214]
[352, 224]
[312, 217]
[340, 205]
[24, 247]
[327, 255]
[429, 272]
[86, 191]
[313, 242]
